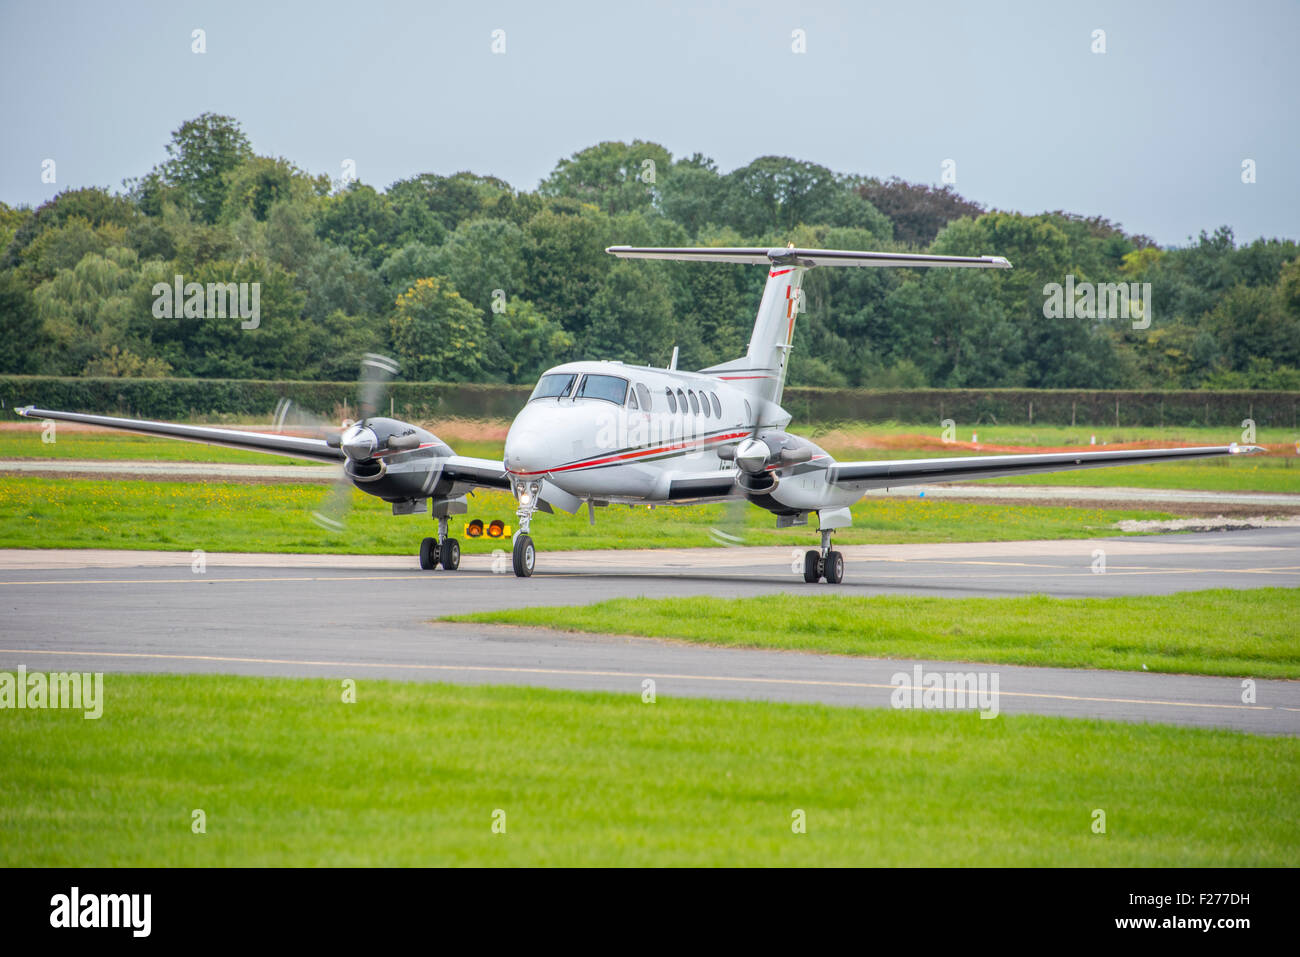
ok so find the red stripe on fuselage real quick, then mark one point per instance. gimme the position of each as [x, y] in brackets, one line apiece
[627, 456]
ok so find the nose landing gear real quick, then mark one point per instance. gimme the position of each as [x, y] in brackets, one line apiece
[524, 554]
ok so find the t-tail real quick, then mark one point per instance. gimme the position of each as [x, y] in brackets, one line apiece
[761, 371]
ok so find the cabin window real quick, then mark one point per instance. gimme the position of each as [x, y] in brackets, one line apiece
[672, 403]
[695, 403]
[704, 404]
[554, 385]
[643, 394]
[611, 388]
[717, 406]
[681, 400]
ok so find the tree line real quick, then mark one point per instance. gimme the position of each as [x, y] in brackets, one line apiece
[465, 278]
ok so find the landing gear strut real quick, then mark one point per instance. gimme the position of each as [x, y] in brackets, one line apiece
[442, 550]
[824, 563]
[524, 555]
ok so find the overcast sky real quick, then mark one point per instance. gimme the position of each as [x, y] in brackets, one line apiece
[1151, 134]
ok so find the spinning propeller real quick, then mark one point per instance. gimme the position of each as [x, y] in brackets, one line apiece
[358, 440]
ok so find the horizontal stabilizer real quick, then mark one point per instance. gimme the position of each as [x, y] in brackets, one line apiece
[803, 257]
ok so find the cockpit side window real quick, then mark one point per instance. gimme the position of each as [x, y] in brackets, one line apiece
[631, 399]
[554, 385]
[611, 388]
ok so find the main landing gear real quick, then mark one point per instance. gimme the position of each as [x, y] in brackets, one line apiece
[441, 550]
[823, 563]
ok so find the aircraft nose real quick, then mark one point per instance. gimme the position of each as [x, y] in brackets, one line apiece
[525, 451]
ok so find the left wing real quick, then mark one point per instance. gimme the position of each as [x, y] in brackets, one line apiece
[293, 446]
[888, 473]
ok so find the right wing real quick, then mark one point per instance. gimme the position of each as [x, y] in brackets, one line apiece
[290, 445]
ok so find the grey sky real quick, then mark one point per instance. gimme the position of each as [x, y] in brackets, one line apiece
[1151, 134]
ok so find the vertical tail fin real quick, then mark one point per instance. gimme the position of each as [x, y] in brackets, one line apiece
[762, 369]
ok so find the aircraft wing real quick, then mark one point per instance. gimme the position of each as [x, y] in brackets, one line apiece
[290, 445]
[471, 471]
[889, 473]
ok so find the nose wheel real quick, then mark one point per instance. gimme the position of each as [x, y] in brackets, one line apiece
[525, 556]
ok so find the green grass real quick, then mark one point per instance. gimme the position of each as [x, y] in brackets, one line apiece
[411, 774]
[87, 513]
[110, 446]
[1217, 632]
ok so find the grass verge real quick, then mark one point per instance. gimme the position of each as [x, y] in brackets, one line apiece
[411, 774]
[1218, 632]
[88, 513]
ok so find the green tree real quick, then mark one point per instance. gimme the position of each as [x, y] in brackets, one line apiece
[361, 221]
[258, 183]
[437, 335]
[631, 318]
[613, 176]
[201, 152]
[526, 343]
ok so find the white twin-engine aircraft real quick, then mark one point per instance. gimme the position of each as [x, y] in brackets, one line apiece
[602, 433]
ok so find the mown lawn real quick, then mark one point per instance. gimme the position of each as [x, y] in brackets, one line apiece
[286, 774]
[1250, 633]
[215, 516]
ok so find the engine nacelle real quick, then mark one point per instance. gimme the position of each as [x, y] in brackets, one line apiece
[769, 459]
[393, 460]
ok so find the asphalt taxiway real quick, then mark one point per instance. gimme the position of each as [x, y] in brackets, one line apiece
[371, 616]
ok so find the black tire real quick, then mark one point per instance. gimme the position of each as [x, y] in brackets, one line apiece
[525, 556]
[834, 568]
[812, 565]
[429, 554]
[451, 554]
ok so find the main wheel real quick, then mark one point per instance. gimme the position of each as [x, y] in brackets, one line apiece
[834, 568]
[525, 556]
[451, 554]
[812, 565]
[429, 554]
